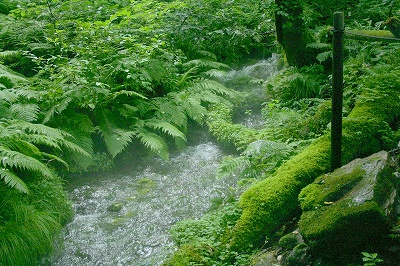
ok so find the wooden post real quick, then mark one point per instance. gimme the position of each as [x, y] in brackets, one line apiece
[337, 92]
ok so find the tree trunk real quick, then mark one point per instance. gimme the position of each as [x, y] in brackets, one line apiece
[292, 34]
[394, 26]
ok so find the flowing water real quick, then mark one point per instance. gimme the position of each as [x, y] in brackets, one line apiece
[251, 79]
[124, 218]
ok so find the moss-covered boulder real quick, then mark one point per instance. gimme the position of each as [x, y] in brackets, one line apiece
[348, 210]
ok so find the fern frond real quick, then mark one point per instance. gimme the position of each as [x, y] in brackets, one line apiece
[267, 148]
[9, 55]
[215, 73]
[171, 110]
[154, 142]
[52, 157]
[128, 111]
[195, 110]
[57, 109]
[207, 54]
[210, 97]
[116, 139]
[129, 94]
[322, 57]
[24, 112]
[8, 95]
[27, 93]
[18, 143]
[41, 47]
[81, 127]
[166, 127]
[156, 69]
[13, 180]
[40, 129]
[189, 74]
[14, 159]
[70, 146]
[42, 135]
[205, 64]
[13, 76]
[233, 165]
[43, 140]
[203, 85]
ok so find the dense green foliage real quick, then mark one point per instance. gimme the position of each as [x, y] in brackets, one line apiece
[83, 82]
[83, 79]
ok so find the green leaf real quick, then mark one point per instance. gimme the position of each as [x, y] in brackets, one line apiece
[322, 57]
[116, 139]
[155, 143]
[13, 180]
[11, 159]
[166, 128]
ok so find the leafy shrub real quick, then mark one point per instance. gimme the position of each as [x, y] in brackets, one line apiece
[296, 84]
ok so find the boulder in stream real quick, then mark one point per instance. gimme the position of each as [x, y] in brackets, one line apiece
[349, 210]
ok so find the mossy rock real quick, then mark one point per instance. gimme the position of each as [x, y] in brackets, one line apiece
[290, 240]
[115, 207]
[345, 210]
[268, 204]
[144, 185]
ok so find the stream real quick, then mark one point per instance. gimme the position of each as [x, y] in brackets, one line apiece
[123, 218]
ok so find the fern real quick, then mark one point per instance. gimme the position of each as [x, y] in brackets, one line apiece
[195, 68]
[206, 85]
[259, 158]
[216, 74]
[167, 128]
[25, 112]
[195, 110]
[10, 55]
[12, 159]
[129, 94]
[57, 108]
[12, 77]
[170, 109]
[20, 150]
[320, 46]
[322, 57]
[13, 180]
[154, 142]
[116, 139]
[207, 54]
[205, 64]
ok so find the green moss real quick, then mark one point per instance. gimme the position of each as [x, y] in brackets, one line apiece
[373, 33]
[325, 228]
[268, 204]
[328, 188]
[144, 186]
[289, 241]
[220, 125]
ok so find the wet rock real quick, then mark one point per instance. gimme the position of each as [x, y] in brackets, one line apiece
[290, 240]
[114, 207]
[268, 257]
[348, 210]
[298, 256]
